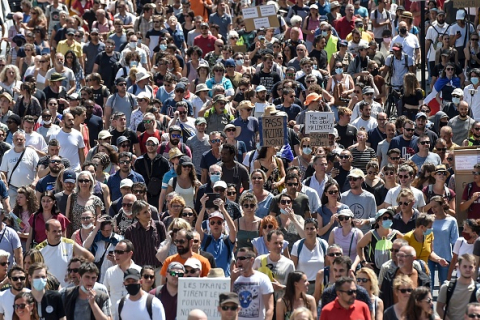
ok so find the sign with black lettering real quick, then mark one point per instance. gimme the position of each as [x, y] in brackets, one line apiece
[319, 139]
[316, 121]
[200, 293]
[273, 131]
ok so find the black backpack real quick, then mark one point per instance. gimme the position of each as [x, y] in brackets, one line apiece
[149, 306]
[451, 289]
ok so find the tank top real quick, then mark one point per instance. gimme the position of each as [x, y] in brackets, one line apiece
[40, 81]
[244, 237]
[187, 194]
[348, 243]
[312, 24]
[192, 72]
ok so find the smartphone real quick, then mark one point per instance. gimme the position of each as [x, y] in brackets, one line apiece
[336, 165]
[110, 252]
[211, 198]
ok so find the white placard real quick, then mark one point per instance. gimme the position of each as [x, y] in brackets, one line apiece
[200, 293]
[250, 13]
[268, 11]
[261, 23]
[465, 162]
[316, 121]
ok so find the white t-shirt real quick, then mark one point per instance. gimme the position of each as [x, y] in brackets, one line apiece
[460, 42]
[67, 73]
[7, 300]
[250, 292]
[36, 140]
[24, 174]
[409, 43]
[433, 33]
[113, 280]
[138, 309]
[369, 124]
[70, 143]
[57, 257]
[393, 193]
[310, 261]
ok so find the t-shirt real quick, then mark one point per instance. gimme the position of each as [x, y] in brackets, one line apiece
[407, 147]
[280, 269]
[199, 147]
[138, 309]
[122, 104]
[47, 183]
[51, 306]
[71, 143]
[24, 174]
[363, 206]
[423, 249]
[178, 258]
[431, 158]
[266, 79]
[251, 291]
[393, 193]
[347, 134]
[310, 261]
[7, 300]
[474, 211]
[57, 257]
[300, 205]
[9, 241]
[67, 74]
[459, 300]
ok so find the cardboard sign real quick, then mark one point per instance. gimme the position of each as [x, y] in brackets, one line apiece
[467, 3]
[319, 139]
[242, 48]
[200, 293]
[273, 131]
[316, 121]
[260, 17]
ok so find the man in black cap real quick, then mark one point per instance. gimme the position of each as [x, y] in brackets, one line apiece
[228, 306]
[121, 129]
[132, 306]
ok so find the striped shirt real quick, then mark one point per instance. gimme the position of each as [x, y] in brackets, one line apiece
[146, 242]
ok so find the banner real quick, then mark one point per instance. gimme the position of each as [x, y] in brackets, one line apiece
[260, 17]
[200, 293]
[273, 131]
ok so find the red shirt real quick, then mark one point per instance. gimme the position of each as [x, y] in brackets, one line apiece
[344, 27]
[142, 139]
[334, 311]
[206, 44]
[474, 211]
[40, 235]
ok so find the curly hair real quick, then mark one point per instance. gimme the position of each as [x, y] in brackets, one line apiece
[32, 204]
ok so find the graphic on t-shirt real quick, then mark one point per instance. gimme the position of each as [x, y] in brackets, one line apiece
[407, 152]
[358, 210]
[249, 295]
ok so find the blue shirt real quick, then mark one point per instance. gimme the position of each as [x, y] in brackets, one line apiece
[226, 83]
[178, 37]
[170, 106]
[361, 11]
[249, 128]
[445, 234]
[113, 182]
[47, 183]
[291, 112]
[166, 177]
[3, 190]
[323, 10]
[219, 249]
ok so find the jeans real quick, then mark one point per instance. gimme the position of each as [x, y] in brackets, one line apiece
[442, 273]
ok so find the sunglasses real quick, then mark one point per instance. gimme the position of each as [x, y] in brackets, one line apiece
[409, 290]
[292, 184]
[409, 129]
[231, 193]
[187, 214]
[83, 181]
[230, 130]
[74, 270]
[442, 149]
[148, 277]
[285, 202]
[119, 251]
[344, 157]
[352, 179]
[332, 192]
[20, 306]
[128, 205]
[219, 189]
[395, 158]
[389, 173]
[334, 254]
[270, 226]
[343, 218]
[15, 279]
[363, 280]
[191, 271]
[231, 308]
[372, 172]
[349, 292]
[243, 258]
[176, 136]
[424, 143]
[55, 161]
[179, 241]
[219, 223]
[248, 206]
[442, 173]
[425, 110]
[176, 274]
[450, 159]
[401, 176]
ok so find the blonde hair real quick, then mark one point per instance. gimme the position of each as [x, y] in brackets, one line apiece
[402, 280]
[301, 311]
[373, 280]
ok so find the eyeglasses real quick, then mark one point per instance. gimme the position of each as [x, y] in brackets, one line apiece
[424, 143]
[449, 69]
[429, 300]
[187, 214]
[176, 274]
[128, 205]
[349, 292]
[219, 223]
[148, 277]
[231, 308]
[409, 129]
[120, 251]
[74, 270]
[394, 250]
[270, 226]
[334, 254]
[83, 181]
[285, 202]
[20, 306]
[409, 290]
[332, 192]
[182, 112]
[343, 218]
[363, 280]
[476, 129]
[15, 279]
[292, 184]
[353, 179]
[474, 39]
[124, 162]
[248, 205]
[85, 218]
[395, 158]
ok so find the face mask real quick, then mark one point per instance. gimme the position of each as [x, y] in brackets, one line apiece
[307, 150]
[258, 146]
[133, 64]
[375, 72]
[427, 232]
[47, 122]
[338, 70]
[387, 40]
[315, 67]
[474, 80]
[139, 41]
[283, 211]
[386, 224]
[132, 44]
[324, 33]
[215, 178]
[442, 124]
[239, 62]
[403, 31]
[133, 288]
[466, 236]
[163, 47]
[88, 226]
[39, 284]
[83, 289]
[456, 100]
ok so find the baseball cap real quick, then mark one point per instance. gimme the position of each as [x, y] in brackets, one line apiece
[143, 95]
[185, 161]
[460, 15]
[70, 31]
[175, 265]
[193, 263]
[131, 273]
[180, 86]
[120, 80]
[228, 126]
[228, 297]
[200, 120]
[154, 140]
[126, 183]
[216, 214]
[397, 46]
[260, 88]
[69, 176]
[121, 140]
[420, 115]
[458, 91]
[356, 173]
[382, 212]
[345, 213]
[368, 90]
[229, 63]
[221, 184]
[94, 30]
[104, 134]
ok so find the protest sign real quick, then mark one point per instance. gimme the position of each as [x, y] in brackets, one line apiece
[316, 121]
[200, 293]
[319, 139]
[273, 131]
[260, 17]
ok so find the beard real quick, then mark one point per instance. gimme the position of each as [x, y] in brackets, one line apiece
[183, 250]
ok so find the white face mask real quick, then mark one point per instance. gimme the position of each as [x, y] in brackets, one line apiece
[47, 122]
[132, 44]
[87, 226]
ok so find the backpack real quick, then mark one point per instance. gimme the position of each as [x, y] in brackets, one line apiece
[379, 250]
[130, 98]
[225, 240]
[147, 87]
[149, 306]
[451, 288]
[265, 269]
[181, 146]
[430, 192]
[392, 64]
[376, 14]
[322, 245]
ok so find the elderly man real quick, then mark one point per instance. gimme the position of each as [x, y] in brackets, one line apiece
[217, 116]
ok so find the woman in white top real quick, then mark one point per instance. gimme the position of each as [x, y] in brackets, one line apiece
[10, 80]
[185, 183]
[308, 254]
[345, 235]
[465, 243]
[41, 72]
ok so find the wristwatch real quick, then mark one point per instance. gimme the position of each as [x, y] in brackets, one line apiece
[363, 262]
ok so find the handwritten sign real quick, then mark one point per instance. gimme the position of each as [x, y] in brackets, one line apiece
[316, 121]
[319, 139]
[273, 131]
[465, 162]
[200, 293]
[260, 17]
[261, 23]
[250, 13]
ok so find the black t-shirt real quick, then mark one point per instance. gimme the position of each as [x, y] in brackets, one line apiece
[95, 125]
[52, 306]
[90, 17]
[375, 136]
[99, 94]
[413, 99]
[438, 69]
[107, 67]
[347, 134]
[321, 57]
[61, 94]
[266, 79]
[61, 35]
[132, 136]
[40, 95]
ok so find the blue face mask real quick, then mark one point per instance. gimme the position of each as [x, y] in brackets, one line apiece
[307, 150]
[239, 62]
[456, 100]
[163, 47]
[428, 231]
[324, 33]
[386, 224]
[39, 284]
[474, 80]
[133, 64]
[283, 211]
[214, 178]
[258, 146]
[338, 70]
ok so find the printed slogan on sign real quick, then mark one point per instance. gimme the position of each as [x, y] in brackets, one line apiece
[318, 125]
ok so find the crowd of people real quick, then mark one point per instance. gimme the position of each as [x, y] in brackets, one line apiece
[132, 154]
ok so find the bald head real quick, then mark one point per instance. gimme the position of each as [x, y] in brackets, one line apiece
[408, 250]
[197, 314]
